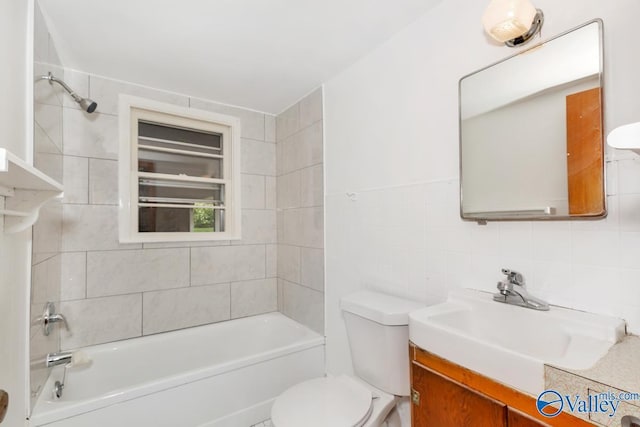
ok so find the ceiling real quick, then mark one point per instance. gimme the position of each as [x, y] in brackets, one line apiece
[258, 54]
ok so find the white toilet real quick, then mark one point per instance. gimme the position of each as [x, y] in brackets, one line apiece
[377, 326]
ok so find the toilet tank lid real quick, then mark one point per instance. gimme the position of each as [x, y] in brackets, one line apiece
[381, 308]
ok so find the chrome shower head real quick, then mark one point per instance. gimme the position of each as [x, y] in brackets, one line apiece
[87, 104]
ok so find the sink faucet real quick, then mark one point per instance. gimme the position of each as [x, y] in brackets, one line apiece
[512, 291]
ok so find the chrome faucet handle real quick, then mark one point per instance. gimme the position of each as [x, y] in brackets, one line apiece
[513, 276]
[50, 316]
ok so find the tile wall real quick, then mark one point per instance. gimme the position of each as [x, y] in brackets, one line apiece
[112, 291]
[300, 205]
[47, 232]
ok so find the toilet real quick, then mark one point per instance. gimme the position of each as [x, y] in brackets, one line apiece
[377, 327]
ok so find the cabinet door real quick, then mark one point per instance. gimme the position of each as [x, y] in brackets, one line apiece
[446, 403]
[519, 419]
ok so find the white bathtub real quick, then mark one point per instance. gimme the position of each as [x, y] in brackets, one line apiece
[221, 375]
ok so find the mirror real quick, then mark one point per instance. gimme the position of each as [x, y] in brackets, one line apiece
[531, 134]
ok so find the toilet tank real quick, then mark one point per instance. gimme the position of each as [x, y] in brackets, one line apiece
[378, 331]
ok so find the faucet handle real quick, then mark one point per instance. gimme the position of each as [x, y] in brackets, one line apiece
[50, 316]
[513, 276]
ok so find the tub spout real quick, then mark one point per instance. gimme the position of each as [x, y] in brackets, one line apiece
[55, 359]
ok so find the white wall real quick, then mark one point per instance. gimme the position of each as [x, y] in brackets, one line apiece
[15, 121]
[392, 139]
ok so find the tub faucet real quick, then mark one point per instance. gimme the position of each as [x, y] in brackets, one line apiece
[55, 359]
[49, 317]
[512, 291]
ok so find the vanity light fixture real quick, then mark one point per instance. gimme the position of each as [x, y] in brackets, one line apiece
[625, 137]
[512, 22]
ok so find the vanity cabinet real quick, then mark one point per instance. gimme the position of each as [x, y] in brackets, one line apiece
[444, 394]
[441, 402]
[516, 418]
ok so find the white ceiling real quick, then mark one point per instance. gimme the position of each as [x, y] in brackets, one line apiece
[259, 54]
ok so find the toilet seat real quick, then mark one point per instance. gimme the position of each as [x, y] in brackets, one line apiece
[321, 402]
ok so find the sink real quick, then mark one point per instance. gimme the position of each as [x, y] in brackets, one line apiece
[512, 344]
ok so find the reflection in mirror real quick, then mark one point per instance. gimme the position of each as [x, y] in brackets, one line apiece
[531, 144]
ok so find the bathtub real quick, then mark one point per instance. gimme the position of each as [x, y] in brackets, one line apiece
[221, 375]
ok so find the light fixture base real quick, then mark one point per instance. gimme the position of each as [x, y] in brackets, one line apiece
[536, 27]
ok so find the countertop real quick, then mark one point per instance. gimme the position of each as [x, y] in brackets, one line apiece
[619, 368]
[618, 371]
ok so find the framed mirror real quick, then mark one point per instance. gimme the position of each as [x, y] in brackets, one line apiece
[531, 133]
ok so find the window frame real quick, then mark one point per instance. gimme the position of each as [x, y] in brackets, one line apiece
[131, 110]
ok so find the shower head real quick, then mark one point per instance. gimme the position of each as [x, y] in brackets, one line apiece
[87, 104]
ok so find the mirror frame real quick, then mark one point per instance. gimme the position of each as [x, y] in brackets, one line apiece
[533, 217]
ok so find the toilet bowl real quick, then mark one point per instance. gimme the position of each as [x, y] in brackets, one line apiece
[341, 401]
[378, 332]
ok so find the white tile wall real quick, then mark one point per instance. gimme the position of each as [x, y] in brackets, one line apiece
[270, 128]
[47, 157]
[46, 281]
[182, 308]
[288, 122]
[102, 176]
[48, 262]
[49, 118]
[258, 226]
[312, 268]
[289, 263]
[304, 305]
[90, 135]
[76, 178]
[272, 261]
[98, 320]
[164, 285]
[125, 272]
[265, 423]
[79, 82]
[254, 297]
[300, 218]
[270, 192]
[44, 92]
[310, 109]
[258, 157]
[73, 276]
[91, 228]
[253, 191]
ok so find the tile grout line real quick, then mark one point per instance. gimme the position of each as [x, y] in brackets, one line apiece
[142, 314]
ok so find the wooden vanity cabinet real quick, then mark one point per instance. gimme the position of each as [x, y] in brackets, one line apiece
[444, 394]
[516, 418]
[441, 402]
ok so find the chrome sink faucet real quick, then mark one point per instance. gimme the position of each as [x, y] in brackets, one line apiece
[512, 291]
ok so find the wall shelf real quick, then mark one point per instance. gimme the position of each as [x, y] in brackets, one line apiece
[26, 189]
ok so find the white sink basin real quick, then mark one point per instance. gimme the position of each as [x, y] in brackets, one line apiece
[512, 344]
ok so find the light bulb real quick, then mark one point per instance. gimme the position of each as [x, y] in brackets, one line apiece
[508, 19]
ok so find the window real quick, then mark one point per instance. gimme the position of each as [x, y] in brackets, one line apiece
[179, 173]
